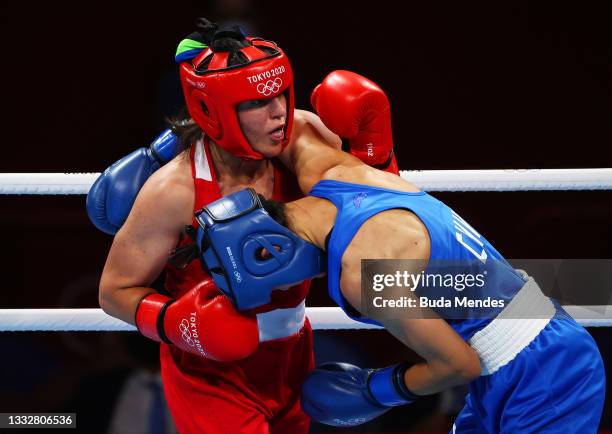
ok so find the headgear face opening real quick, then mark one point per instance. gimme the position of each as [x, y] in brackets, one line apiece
[213, 91]
[233, 231]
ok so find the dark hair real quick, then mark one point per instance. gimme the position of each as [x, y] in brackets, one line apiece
[225, 39]
[220, 39]
[275, 209]
[205, 31]
[185, 128]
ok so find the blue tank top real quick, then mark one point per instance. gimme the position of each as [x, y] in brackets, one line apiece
[451, 239]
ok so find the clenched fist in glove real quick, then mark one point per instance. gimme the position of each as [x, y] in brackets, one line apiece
[203, 321]
[341, 394]
[112, 195]
[357, 109]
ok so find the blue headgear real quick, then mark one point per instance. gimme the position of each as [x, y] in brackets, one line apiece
[233, 230]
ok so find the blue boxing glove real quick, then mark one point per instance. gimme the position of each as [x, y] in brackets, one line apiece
[112, 195]
[341, 394]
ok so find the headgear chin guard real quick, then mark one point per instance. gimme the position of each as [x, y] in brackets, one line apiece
[213, 91]
[233, 232]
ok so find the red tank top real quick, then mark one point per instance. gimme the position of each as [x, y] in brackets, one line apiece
[180, 280]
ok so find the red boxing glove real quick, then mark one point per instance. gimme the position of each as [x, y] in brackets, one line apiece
[357, 109]
[203, 321]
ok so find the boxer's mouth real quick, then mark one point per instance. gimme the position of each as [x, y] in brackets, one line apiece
[278, 133]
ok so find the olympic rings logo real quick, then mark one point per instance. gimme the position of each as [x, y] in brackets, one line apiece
[186, 333]
[269, 87]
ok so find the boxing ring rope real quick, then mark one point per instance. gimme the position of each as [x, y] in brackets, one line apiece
[321, 318]
[430, 180]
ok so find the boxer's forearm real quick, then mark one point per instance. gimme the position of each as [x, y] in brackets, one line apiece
[449, 360]
[427, 379]
[122, 303]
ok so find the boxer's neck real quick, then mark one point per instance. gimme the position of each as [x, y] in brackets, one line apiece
[228, 165]
[311, 218]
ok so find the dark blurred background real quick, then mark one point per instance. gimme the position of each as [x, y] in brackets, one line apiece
[483, 85]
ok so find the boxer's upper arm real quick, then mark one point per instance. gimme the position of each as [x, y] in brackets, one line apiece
[309, 156]
[329, 137]
[421, 329]
[141, 247]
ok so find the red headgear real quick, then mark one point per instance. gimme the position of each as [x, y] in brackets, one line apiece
[213, 90]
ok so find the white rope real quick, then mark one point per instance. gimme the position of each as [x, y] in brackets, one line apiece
[46, 183]
[429, 180]
[321, 318]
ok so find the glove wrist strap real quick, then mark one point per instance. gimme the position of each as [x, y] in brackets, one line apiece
[388, 387]
[150, 316]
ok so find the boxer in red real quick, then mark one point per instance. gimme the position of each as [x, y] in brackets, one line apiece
[226, 371]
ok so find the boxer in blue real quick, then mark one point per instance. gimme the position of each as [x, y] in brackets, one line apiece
[542, 375]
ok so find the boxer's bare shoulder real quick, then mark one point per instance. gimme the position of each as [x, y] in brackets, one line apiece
[310, 153]
[304, 117]
[169, 194]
